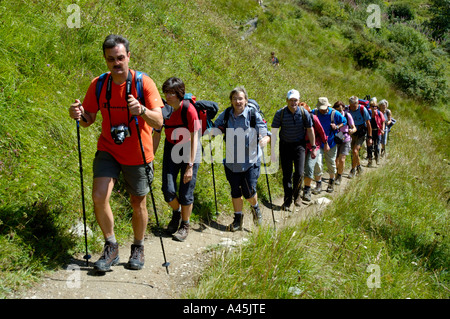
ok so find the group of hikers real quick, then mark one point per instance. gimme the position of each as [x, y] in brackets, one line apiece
[306, 137]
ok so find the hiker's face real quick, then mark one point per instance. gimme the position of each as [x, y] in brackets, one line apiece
[323, 111]
[382, 107]
[172, 99]
[239, 102]
[293, 103]
[117, 59]
[340, 108]
[353, 106]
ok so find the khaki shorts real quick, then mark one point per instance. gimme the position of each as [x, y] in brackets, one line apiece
[135, 177]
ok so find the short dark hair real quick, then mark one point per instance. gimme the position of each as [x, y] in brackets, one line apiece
[114, 40]
[174, 85]
[338, 103]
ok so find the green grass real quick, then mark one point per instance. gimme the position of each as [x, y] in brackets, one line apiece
[373, 223]
[46, 66]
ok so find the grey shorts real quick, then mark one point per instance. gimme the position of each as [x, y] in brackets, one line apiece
[357, 140]
[135, 177]
[344, 148]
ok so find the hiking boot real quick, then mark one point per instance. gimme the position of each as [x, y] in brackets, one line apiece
[110, 257]
[338, 180]
[307, 195]
[257, 216]
[298, 202]
[318, 188]
[359, 170]
[286, 208]
[369, 163]
[330, 187]
[237, 223]
[182, 232]
[136, 261]
[174, 223]
[351, 174]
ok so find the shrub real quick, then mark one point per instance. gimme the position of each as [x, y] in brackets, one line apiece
[439, 24]
[367, 54]
[421, 76]
[401, 11]
[412, 40]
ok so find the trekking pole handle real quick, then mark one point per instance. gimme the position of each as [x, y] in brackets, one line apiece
[80, 106]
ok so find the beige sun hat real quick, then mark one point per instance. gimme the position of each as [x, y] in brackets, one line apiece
[322, 103]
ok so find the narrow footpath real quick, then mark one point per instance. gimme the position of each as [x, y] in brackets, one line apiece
[187, 260]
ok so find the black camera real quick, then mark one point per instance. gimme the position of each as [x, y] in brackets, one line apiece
[119, 133]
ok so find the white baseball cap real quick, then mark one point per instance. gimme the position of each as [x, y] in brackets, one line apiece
[293, 94]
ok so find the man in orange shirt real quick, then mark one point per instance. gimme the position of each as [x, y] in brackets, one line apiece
[120, 153]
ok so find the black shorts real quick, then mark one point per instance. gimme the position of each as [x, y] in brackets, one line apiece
[243, 184]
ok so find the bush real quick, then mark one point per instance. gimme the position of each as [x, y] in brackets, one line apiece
[367, 54]
[439, 24]
[412, 40]
[421, 76]
[401, 11]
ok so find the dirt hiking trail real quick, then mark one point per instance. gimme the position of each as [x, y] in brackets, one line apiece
[187, 259]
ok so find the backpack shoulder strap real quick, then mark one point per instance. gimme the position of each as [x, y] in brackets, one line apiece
[252, 117]
[303, 116]
[281, 115]
[140, 85]
[184, 109]
[98, 87]
[226, 117]
[332, 116]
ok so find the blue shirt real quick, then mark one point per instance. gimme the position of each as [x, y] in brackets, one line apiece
[242, 147]
[358, 118]
[325, 121]
[292, 128]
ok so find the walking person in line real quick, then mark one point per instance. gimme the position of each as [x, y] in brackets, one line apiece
[181, 156]
[361, 118]
[377, 123]
[118, 147]
[344, 148]
[295, 126]
[245, 135]
[383, 105]
[311, 153]
[331, 121]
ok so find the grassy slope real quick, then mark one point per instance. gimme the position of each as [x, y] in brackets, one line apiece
[47, 65]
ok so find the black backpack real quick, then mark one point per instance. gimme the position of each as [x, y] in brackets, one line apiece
[206, 111]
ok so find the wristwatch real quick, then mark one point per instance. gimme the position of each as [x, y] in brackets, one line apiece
[190, 164]
[142, 110]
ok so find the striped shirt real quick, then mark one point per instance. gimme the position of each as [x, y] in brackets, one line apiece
[292, 129]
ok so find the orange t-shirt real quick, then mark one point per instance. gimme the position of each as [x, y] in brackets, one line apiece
[129, 152]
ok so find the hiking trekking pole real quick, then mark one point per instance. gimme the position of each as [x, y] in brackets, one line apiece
[166, 264]
[87, 256]
[268, 188]
[214, 180]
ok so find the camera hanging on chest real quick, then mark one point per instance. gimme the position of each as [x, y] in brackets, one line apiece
[121, 131]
